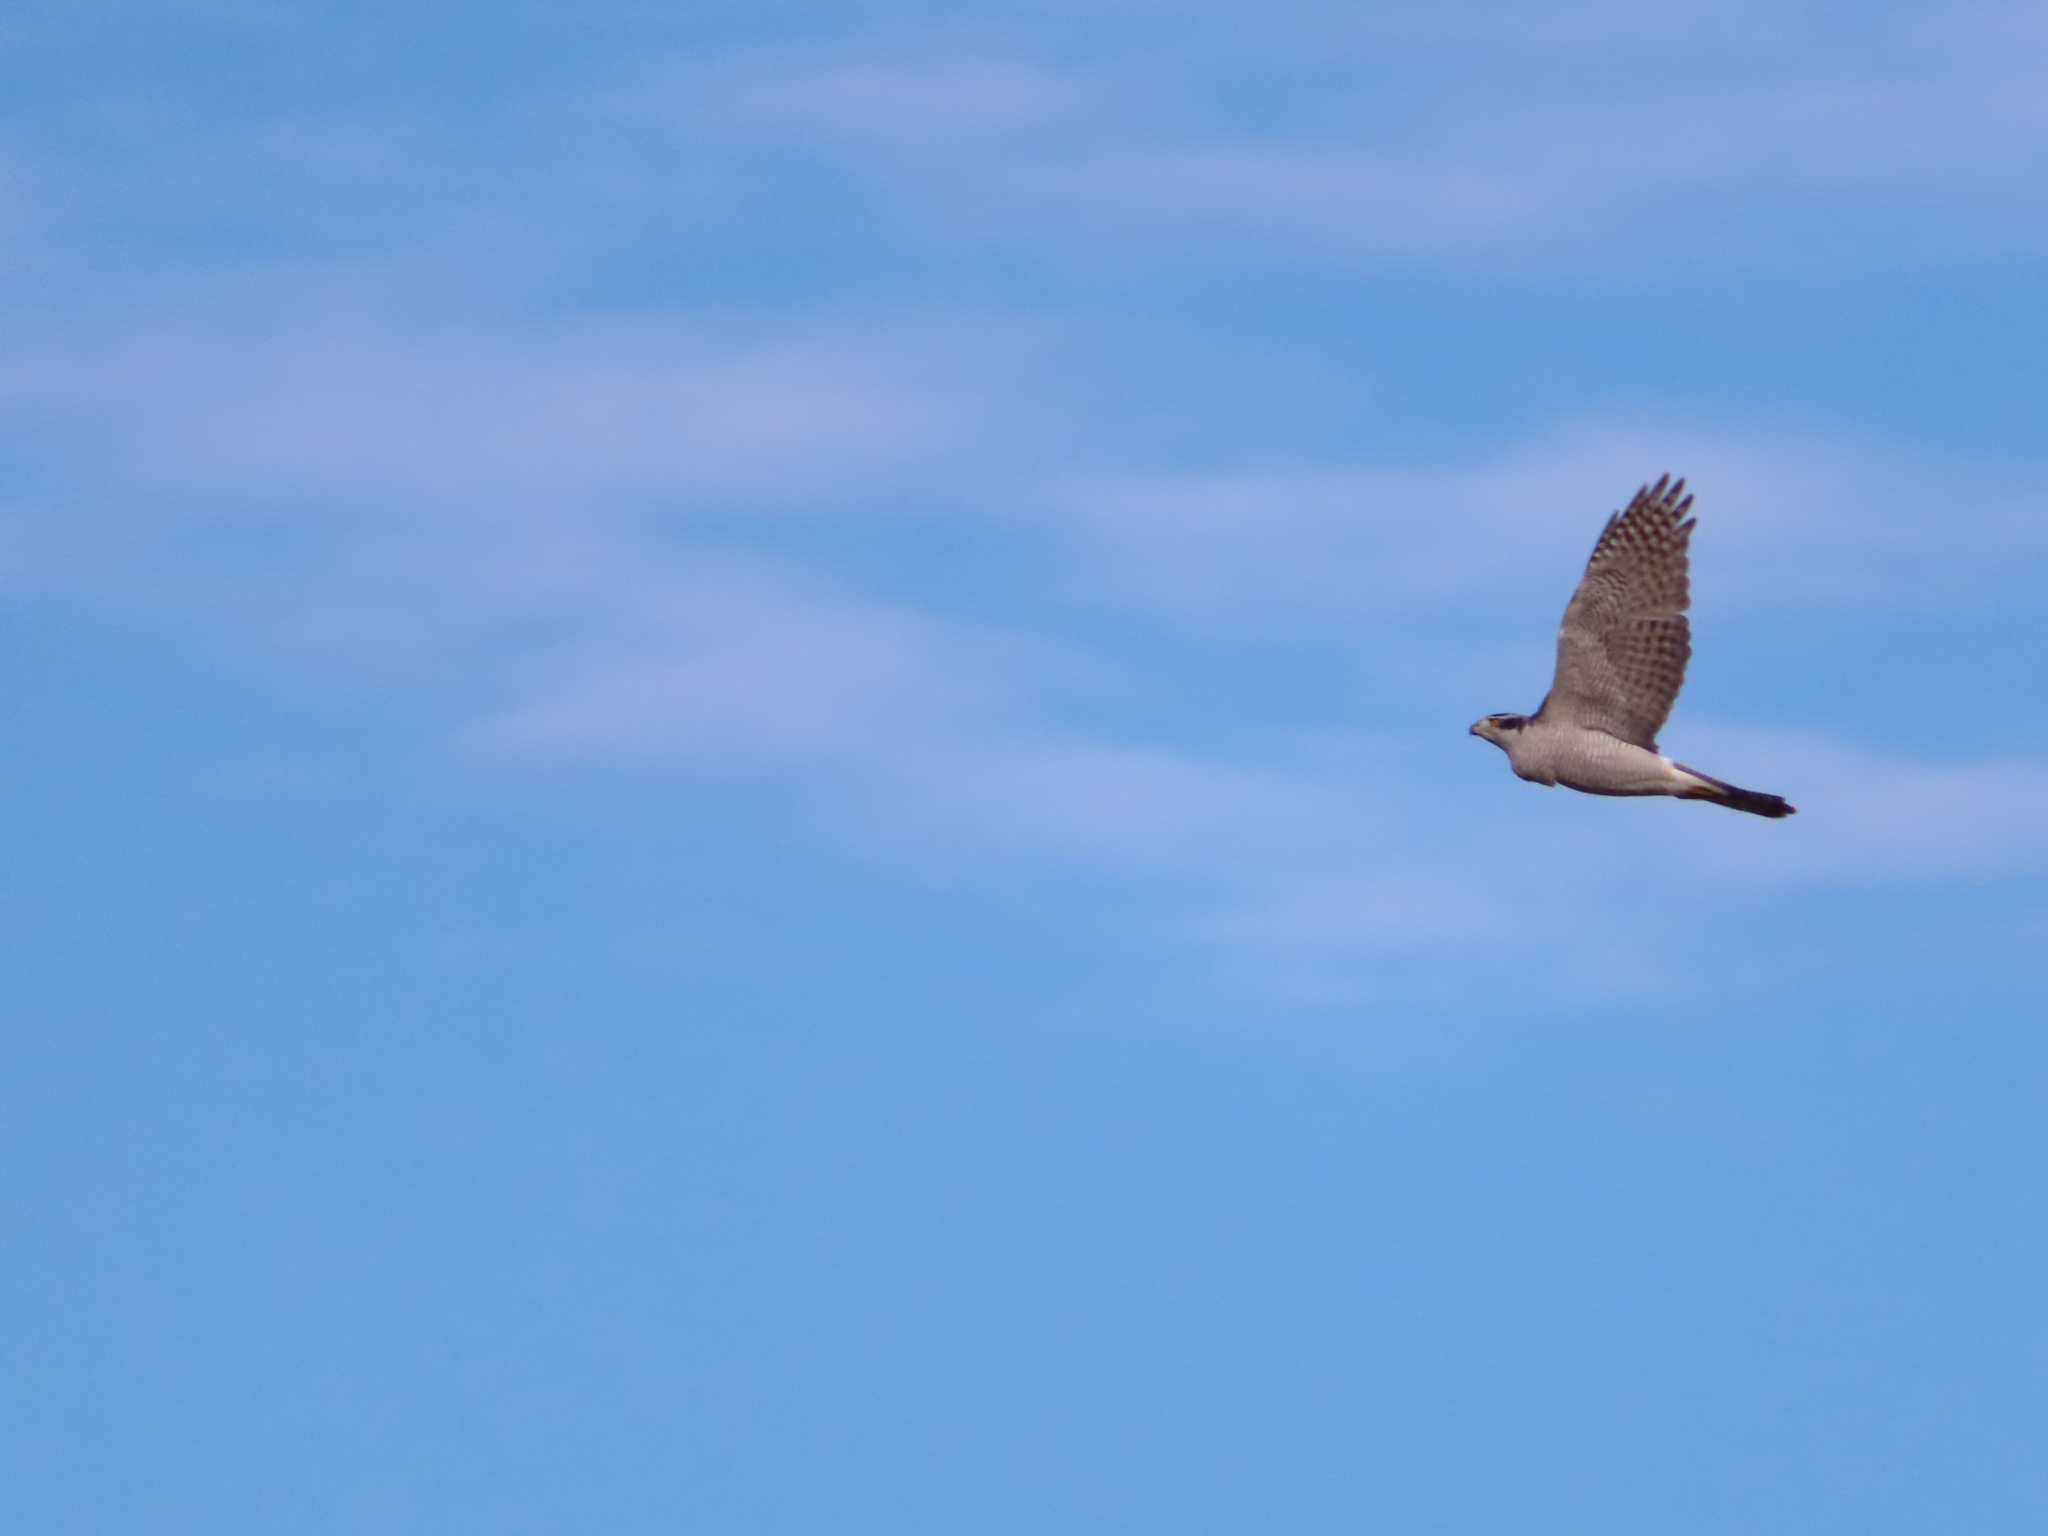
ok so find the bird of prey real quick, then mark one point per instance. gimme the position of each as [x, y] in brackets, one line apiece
[1621, 655]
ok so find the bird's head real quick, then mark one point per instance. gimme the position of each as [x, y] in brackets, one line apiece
[1499, 729]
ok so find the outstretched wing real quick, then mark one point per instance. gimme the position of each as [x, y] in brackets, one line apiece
[1624, 643]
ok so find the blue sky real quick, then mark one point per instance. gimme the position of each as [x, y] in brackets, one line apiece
[740, 794]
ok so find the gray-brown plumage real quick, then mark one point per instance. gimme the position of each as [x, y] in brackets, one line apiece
[1621, 657]
[1625, 640]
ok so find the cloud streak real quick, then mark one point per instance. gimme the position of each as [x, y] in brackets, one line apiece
[623, 543]
[1420, 136]
[967, 584]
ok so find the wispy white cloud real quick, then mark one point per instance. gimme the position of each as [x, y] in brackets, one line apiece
[1467, 136]
[1871, 816]
[289, 393]
[923, 97]
[915, 575]
[554, 532]
[1596, 140]
[1808, 519]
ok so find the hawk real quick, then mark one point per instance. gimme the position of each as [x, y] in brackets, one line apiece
[1621, 655]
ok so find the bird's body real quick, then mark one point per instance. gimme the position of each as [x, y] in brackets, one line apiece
[1621, 656]
[1544, 752]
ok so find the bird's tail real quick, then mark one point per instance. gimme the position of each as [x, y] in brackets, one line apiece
[1754, 801]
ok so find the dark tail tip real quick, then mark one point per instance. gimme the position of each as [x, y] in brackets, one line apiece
[1754, 801]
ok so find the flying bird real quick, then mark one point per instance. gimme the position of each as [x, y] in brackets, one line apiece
[1621, 655]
